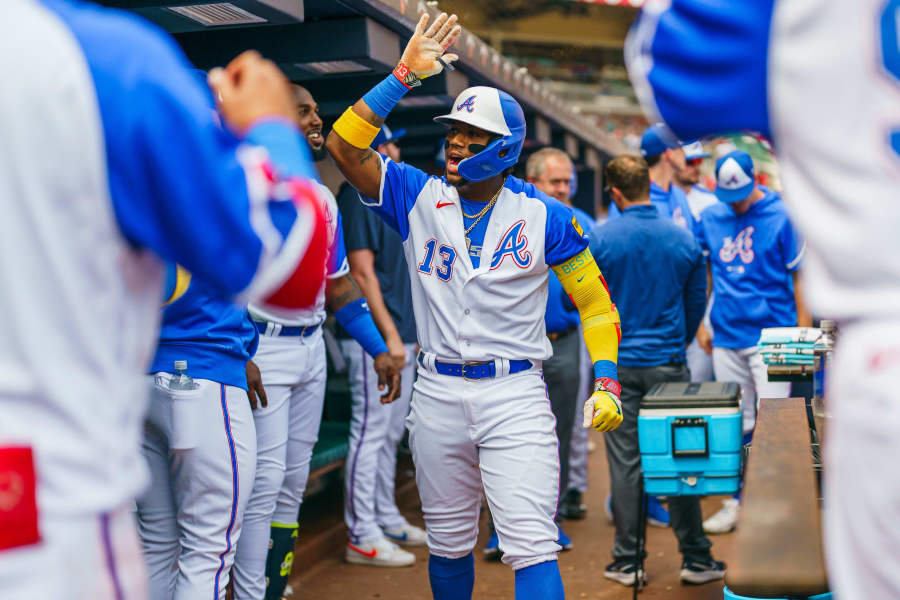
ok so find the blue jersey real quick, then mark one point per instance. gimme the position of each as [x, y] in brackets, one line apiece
[494, 310]
[752, 257]
[214, 336]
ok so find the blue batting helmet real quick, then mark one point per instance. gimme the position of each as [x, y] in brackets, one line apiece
[497, 112]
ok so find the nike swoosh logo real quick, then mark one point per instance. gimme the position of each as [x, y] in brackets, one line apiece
[442, 204]
[580, 278]
[370, 554]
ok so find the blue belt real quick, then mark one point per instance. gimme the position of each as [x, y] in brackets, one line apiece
[476, 370]
[304, 331]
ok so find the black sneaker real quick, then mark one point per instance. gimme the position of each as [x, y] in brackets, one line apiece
[697, 572]
[572, 506]
[622, 571]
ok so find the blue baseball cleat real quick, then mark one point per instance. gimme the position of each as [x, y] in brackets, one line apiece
[563, 540]
[657, 515]
[492, 548]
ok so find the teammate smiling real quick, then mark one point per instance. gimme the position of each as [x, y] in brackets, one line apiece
[479, 399]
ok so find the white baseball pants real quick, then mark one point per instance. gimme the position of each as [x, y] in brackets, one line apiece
[498, 434]
[200, 446]
[375, 431]
[862, 445]
[745, 366]
[78, 557]
[699, 362]
[293, 375]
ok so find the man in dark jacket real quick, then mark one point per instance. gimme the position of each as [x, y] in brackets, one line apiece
[656, 276]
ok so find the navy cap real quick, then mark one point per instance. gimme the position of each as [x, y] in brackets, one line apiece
[657, 139]
[385, 135]
[694, 150]
[734, 176]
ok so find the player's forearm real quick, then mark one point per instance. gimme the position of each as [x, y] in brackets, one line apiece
[353, 133]
[370, 287]
[582, 281]
[804, 316]
[352, 311]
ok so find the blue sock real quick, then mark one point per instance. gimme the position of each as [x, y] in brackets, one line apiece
[451, 578]
[540, 582]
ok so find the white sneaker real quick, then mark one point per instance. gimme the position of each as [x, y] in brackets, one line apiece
[379, 553]
[288, 592]
[725, 520]
[408, 535]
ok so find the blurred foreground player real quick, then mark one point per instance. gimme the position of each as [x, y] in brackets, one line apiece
[110, 155]
[477, 241]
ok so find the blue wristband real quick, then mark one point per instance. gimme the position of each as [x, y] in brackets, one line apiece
[383, 97]
[605, 368]
[356, 320]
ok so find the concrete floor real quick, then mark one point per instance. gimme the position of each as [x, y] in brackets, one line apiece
[582, 568]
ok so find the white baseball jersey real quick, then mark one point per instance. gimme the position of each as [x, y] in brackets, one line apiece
[96, 172]
[336, 266]
[496, 310]
[832, 109]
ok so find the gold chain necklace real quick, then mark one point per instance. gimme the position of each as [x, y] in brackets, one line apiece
[478, 216]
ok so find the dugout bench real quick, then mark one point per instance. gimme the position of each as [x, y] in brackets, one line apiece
[779, 535]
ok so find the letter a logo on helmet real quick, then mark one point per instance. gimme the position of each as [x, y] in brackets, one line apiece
[498, 113]
[469, 104]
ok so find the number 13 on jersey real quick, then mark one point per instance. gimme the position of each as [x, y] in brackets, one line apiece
[447, 256]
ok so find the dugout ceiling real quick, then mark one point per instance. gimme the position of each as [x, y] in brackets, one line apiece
[340, 48]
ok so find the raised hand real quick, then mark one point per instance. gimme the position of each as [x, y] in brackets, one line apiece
[427, 45]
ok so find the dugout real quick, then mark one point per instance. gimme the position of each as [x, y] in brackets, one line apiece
[339, 49]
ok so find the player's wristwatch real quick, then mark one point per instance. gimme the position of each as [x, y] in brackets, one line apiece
[605, 384]
[406, 77]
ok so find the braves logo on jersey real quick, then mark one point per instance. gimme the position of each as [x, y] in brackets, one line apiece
[468, 104]
[741, 245]
[514, 244]
[678, 217]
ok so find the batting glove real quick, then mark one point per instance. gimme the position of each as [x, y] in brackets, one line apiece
[603, 410]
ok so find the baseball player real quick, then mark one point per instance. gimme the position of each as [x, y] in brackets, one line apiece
[478, 244]
[375, 254]
[291, 358]
[200, 444]
[699, 358]
[754, 255]
[110, 155]
[665, 156]
[687, 179]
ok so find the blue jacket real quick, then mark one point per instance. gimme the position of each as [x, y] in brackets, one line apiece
[657, 279]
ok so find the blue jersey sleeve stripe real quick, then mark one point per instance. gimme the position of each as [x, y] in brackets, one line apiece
[792, 265]
[702, 66]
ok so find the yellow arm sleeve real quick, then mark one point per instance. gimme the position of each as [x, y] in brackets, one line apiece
[581, 279]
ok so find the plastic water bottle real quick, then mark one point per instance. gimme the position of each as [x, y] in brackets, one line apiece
[823, 351]
[181, 380]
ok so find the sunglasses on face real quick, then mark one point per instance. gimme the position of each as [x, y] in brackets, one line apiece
[694, 162]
